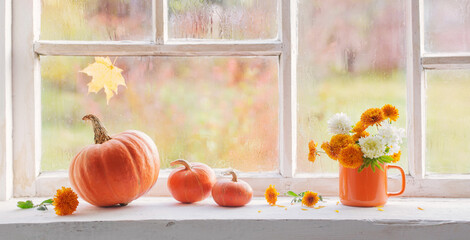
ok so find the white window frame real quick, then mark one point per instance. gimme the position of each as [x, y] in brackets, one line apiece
[26, 101]
[6, 167]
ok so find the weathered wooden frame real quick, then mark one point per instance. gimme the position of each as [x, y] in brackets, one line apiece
[26, 112]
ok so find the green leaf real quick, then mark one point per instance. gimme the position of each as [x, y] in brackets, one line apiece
[48, 201]
[293, 194]
[42, 207]
[361, 167]
[321, 198]
[385, 159]
[378, 166]
[387, 149]
[25, 205]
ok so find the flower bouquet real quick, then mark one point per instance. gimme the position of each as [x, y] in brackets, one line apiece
[354, 147]
[361, 149]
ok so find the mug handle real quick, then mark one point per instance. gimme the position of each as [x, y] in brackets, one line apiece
[403, 180]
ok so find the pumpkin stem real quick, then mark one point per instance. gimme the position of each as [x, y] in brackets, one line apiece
[101, 135]
[234, 175]
[183, 162]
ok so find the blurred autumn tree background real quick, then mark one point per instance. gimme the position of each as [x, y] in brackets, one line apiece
[219, 110]
[224, 111]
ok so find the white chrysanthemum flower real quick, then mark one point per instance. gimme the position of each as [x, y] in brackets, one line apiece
[391, 136]
[372, 146]
[339, 124]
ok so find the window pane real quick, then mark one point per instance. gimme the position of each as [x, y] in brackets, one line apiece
[447, 121]
[447, 25]
[222, 19]
[106, 20]
[220, 111]
[351, 58]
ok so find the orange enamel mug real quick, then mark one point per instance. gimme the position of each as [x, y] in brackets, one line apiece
[366, 188]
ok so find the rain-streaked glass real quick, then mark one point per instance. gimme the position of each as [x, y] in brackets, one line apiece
[91, 20]
[351, 58]
[223, 19]
[447, 121]
[447, 25]
[222, 111]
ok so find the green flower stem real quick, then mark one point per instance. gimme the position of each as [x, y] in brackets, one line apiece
[29, 204]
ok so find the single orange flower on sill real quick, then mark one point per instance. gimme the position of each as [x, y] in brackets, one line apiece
[65, 201]
[271, 195]
[310, 199]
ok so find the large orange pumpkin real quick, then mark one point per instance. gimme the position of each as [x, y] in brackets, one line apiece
[191, 183]
[116, 169]
[232, 193]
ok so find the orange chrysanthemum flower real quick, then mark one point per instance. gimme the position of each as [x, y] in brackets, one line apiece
[310, 199]
[396, 157]
[359, 127]
[341, 140]
[351, 156]
[338, 142]
[327, 148]
[65, 201]
[271, 195]
[359, 135]
[390, 112]
[372, 116]
[312, 151]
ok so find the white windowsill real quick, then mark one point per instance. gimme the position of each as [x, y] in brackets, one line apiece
[164, 218]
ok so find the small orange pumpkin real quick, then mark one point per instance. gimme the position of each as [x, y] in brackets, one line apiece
[114, 170]
[232, 193]
[191, 183]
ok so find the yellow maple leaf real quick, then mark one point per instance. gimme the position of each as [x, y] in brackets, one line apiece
[104, 75]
